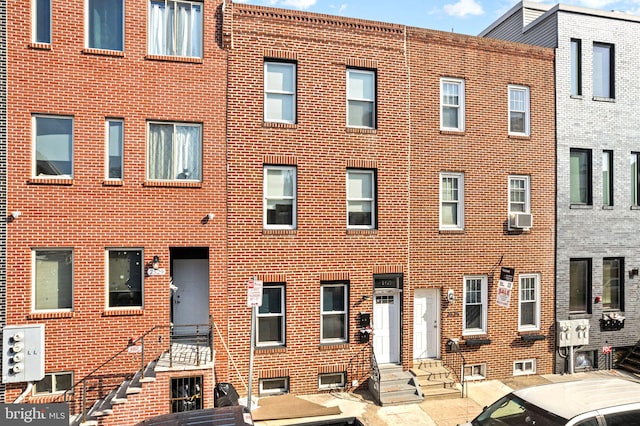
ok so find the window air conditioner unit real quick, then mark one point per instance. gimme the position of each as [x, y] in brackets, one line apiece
[521, 220]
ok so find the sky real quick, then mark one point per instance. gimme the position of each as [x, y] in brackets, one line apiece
[460, 16]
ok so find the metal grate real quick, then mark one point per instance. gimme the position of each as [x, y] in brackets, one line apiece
[186, 394]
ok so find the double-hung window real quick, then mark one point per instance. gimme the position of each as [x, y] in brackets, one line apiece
[580, 177]
[334, 303]
[125, 278]
[603, 71]
[280, 92]
[451, 201]
[175, 28]
[580, 286]
[635, 179]
[53, 279]
[607, 178]
[174, 151]
[576, 67]
[279, 197]
[519, 194]
[115, 143]
[613, 283]
[105, 24]
[519, 110]
[271, 316]
[41, 24]
[361, 98]
[452, 104]
[475, 305]
[361, 199]
[53, 148]
[529, 307]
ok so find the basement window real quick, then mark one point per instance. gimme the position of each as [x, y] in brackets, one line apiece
[275, 386]
[475, 372]
[53, 383]
[332, 380]
[524, 367]
[186, 394]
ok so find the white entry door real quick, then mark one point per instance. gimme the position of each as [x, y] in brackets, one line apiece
[426, 328]
[386, 328]
[191, 298]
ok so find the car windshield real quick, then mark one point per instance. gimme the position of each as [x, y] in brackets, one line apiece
[511, 410]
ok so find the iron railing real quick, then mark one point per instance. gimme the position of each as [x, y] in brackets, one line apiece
[375, 375]
[454, 361]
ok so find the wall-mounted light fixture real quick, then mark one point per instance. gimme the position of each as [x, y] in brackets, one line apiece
[633, 272]
[365, 297]
[155, 264]
[16, 214]
[210, 216]
[451, 297]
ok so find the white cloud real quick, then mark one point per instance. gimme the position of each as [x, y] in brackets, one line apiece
[463, 8]
[299, 4]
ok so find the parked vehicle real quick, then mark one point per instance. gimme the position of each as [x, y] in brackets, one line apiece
[234, 415]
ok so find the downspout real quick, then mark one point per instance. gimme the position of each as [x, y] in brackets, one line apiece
[24, 394]
[409, 142]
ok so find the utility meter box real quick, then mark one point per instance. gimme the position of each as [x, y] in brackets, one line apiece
[563, 329]
[22, 353]
[580, 332]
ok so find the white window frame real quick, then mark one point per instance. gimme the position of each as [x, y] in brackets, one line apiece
[459, 106]
[524, 367]
[87, 26]
[280, 92]
[175, 150]
[525, 111]
[202, 30]
[478, 372]
[372, 100]
[483, 303]
[521, 300]
[107, 278]
[371, 200]
[107, 123]
[293, 197]
[34, 22]
[277, 391]
[459, 201]
[34, 278]
[34, 166]
[282, 314]
[54, 390]
[527, 194]
[344, 313]
[341, 385]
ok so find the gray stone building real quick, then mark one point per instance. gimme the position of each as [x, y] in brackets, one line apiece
[598, 178]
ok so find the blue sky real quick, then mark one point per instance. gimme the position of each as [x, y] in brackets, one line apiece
[460, 16]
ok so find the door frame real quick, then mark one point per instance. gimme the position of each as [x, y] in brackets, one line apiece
[387, 284]
[189, 253]
[423, 292]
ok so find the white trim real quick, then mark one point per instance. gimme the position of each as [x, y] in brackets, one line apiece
[282, 314]
[459, 201]
[34, 149]
[341, 385]
[293, 198]
[526, 111]
[474, 377]
[174, 151]
[344, 313]
[293, 93]
[54, 376]
[34, 23]
[536, 326]
[483, 302]
[372, 100]
[524, 371]
[460, 106]
[277, 391]
[86, 27]
[371, 200]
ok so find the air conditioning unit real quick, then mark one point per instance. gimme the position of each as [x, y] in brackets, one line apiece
[521, 220]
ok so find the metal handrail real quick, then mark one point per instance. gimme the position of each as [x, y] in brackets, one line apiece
[454, 346]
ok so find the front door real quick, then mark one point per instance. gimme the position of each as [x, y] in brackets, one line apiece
[386, 327]
[190, 295]
[425, 324]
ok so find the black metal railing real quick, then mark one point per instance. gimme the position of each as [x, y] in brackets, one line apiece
[359, 367]
[454, 361]
[375, 375]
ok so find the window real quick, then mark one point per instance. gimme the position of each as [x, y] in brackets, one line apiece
[42, 21]
[186, 394]
[361, 199]
[529, 309]
[635, 179]
[580, 286]
[175, 28]
[53, 383]
[475, 372]
[607, 178]
[613, 283]
[332, 380]
[586, 360]
[53, 279]
[115, 142]
[271, 316]
[279, 197]
[105, 24]
[275, 386]
[451, 201]
[125, 274]
[603, 71]
[518, 110]
[174, 151]
[333, 306]
[53, 146]
[576, 67]
[580, 176]
[452, 104]
[361, 101]
[475, 305]
[524, 367]
[280, 92]
[519, 194]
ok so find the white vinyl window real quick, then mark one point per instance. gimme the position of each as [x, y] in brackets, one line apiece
[361, 98]
[280, 92]
[174, 151]
[279, 197]
[114, 149]
[271, 316]
[474, 314]
[519, 194]
[334, 312]
[52, 279]
[529, 302]
[274, 386]
[519, 110]
[41, 25]
[175, 28]
[105, 24]
[475, 372]
[452, 104]
[451, 201]
[125, 278]
[53, 383]
[524, 367]
[361, 199]
[53, 146]
[332, 380]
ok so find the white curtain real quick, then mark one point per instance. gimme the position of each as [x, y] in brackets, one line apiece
[160, 157]
[175, 29]
[157, 31]
[188, 164]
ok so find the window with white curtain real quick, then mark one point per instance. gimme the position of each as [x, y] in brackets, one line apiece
[519, 110]
[41, 21]
[529, 306]
[361, 98]
[361, 199]
[105, 24]
[174, 151]
[115, 142]
[279, 197]
[53, 279]
[175, 28]
[452, 104]
[53, 139]
[280, 92]
[451, 201]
